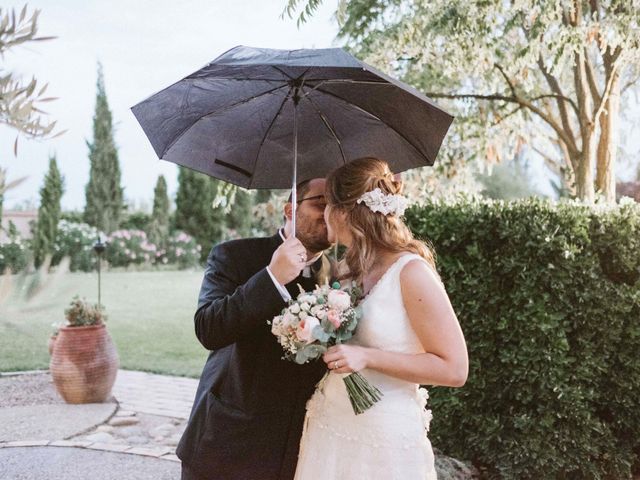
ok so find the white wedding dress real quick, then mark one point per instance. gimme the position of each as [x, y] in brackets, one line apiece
[388, 441]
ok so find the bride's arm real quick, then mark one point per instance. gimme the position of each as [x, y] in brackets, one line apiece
[434, 321]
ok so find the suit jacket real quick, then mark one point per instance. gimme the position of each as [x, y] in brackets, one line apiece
[247, 417]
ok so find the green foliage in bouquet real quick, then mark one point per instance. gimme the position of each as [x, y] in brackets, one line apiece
[548, 297]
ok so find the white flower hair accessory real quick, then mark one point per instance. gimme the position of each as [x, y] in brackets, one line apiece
[378, 201]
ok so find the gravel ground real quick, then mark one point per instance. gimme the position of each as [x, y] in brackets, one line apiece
[28, 389]
[60, 463]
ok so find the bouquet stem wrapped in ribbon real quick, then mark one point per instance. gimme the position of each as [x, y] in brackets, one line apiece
[317, 320]
[362, 394]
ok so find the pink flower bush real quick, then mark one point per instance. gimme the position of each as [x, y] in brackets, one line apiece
[129, 247]
[182, 249]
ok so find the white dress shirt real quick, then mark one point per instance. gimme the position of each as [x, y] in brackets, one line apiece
[306, 272]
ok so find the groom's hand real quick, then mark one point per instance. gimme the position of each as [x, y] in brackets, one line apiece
[288, 260]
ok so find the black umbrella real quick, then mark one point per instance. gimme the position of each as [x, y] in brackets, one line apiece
[263, 118]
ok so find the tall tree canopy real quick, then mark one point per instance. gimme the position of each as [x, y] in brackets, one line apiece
[159, 228]
[548, 76]
[196, 212]
[104, 196]
[49, 213]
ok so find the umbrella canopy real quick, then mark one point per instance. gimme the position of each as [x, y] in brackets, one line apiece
[234, 118]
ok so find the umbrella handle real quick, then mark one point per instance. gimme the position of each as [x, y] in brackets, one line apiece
[294, 186]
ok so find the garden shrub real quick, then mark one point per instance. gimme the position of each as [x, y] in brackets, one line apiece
[14, 251]
[182, 250]
[548, 296]
[75, 240]
[136, 221]
[129, 247]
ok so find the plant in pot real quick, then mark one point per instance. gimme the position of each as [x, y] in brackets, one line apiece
[84, 361]
[52, 338]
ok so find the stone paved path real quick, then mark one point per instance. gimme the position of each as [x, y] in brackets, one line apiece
[153, 394]
[148, 422]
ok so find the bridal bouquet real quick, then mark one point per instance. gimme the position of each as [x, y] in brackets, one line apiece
[317, 320]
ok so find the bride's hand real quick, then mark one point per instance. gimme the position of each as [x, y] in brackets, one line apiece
[346, 358]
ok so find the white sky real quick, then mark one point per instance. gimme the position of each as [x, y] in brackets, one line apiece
[144, 45]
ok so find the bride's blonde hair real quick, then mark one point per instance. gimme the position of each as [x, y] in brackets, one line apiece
[370, 231]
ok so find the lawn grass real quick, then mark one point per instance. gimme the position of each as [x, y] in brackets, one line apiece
[150, 318]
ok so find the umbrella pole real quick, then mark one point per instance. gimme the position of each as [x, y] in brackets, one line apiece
[294, 186]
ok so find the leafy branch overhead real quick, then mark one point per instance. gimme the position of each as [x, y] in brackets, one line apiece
[550, 77]
[20, 101]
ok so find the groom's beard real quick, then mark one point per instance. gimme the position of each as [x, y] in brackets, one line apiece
[314, 236]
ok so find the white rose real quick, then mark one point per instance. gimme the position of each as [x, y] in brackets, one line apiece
[305, 306]
[303, 315]
[304, 332]
[276, 326]
[288, 319]
[295, 308]
[307, 297]
[339, 300]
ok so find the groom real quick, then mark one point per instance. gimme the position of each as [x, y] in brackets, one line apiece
[249, 409]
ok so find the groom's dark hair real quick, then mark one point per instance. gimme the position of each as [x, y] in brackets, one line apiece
[301, 190]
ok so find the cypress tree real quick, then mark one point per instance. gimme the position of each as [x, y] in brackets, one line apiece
[104, 195]
[195, 213]
[263, 196]
[159, 228]
[240, 217]
[48, 213]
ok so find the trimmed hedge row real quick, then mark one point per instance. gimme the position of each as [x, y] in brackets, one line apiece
[548, 296]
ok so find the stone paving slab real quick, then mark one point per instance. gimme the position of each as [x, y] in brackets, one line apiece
[66, 463]
[155, 394]
[51, 422]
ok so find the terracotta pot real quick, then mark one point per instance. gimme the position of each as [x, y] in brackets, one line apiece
[84, 364]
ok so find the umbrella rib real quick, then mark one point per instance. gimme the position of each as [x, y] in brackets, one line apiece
[346, 80]
[249, 79]
[264, 138]
[299, 77]
[325, 120]
[321, 80]
[227, 107]
[379, 119]
[282, 72]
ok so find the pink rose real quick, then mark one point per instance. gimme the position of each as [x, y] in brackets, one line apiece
[334, 317]
[304, 332]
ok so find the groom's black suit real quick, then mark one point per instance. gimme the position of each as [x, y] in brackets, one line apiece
[248, 413]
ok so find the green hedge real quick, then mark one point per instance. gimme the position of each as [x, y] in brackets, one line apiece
[548, 296]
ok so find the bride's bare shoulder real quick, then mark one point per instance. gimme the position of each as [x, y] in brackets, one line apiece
[419, 272]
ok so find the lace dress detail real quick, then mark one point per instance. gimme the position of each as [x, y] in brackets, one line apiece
[389, 441]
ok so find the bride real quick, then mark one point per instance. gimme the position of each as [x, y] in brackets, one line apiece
[408, 336]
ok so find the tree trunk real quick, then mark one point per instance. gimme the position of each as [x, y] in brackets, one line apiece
[567, 172]
[584, 174]
[608, 143]
[586, 159]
